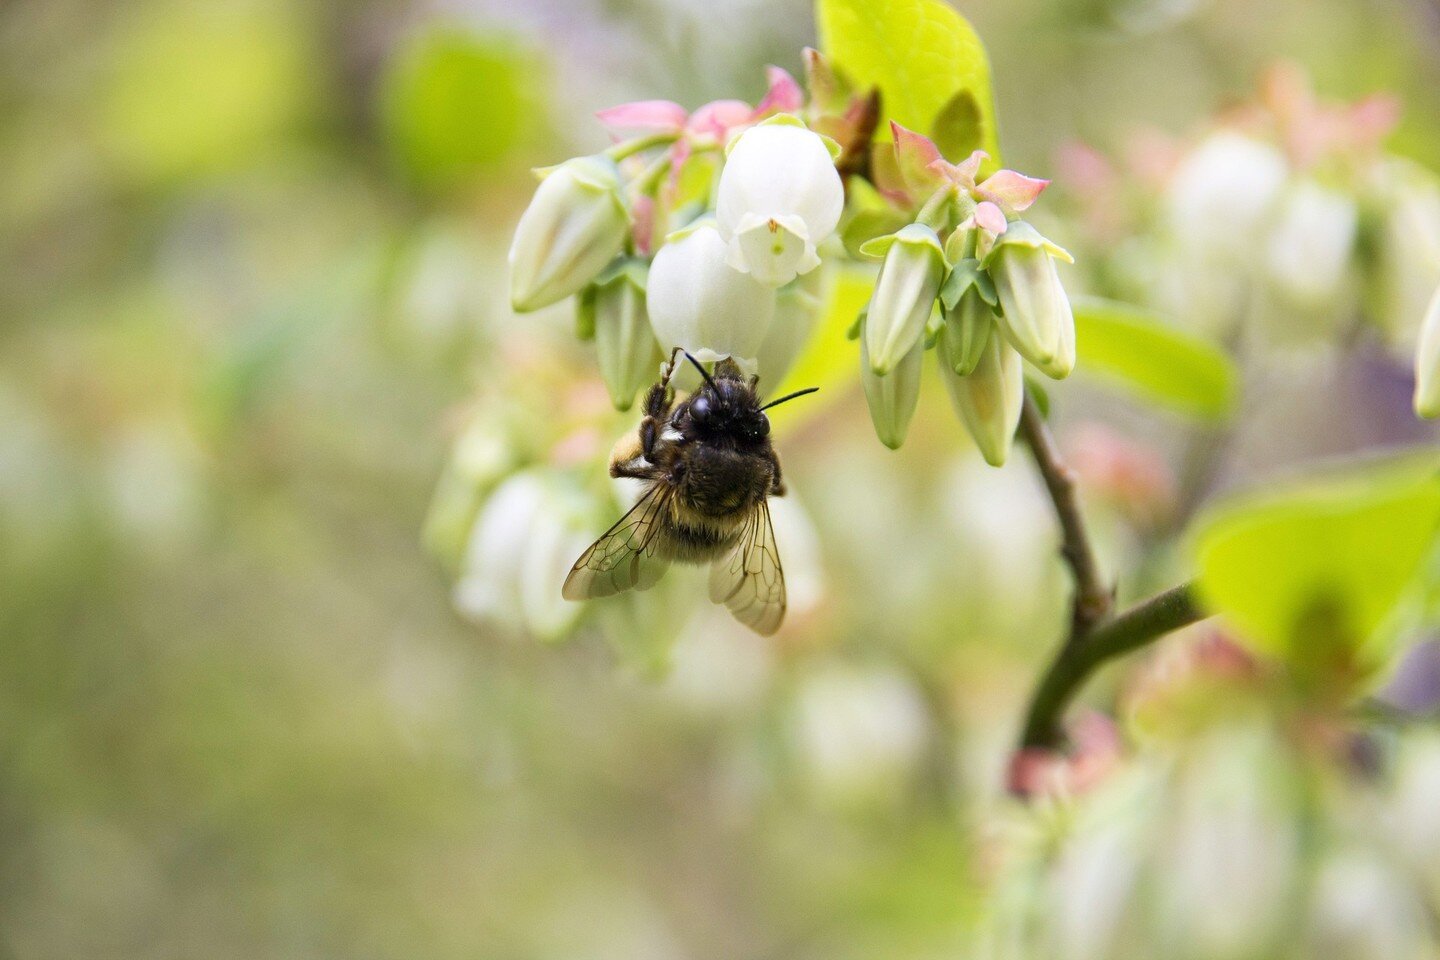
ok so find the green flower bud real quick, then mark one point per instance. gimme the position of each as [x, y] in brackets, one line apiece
[574, 226]
[988, 400]
[905, 292]
[1035, 311]
[968, 302]
[624, 342]
[892, 397]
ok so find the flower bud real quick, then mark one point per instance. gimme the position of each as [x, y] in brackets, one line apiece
[988, 400]
[1427, 363]
[697, 301]
[905, 292]
[574, 226]
[967, 301]
[624, 343]
[1035, 312]
[779, 197]
[798, 308]
[892, 397]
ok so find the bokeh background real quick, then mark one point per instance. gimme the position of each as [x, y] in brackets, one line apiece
[252, 290]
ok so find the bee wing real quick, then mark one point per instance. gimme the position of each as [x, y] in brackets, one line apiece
[749, 579]
[624, 556]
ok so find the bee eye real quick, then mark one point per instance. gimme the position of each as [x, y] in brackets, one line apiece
[700, 409]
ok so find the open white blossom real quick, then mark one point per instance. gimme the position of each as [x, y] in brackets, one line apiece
[779, 198]
[697, 301]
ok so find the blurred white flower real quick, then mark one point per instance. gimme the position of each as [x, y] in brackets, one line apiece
[858, 733]
[1364, 909]
[905, 292]
[779, 198]
[1222, 193]
[1309, 249]
[697, 301]
[575, 225]
[522, 545]
[1232, 847]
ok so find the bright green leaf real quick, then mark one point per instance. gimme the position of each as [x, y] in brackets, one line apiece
[926, 59]
[1138, 351]
[830, 358]
[456, 104]
[1318, 572]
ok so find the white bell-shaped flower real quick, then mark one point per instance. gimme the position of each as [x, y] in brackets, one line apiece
[575, 225]
[699, 302]
[779, 198]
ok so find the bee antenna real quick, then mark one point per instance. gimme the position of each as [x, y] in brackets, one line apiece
[789, 396]
[701, 369]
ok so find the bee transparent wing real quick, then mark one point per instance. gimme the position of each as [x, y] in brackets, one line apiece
[749, 579]
[624, 556]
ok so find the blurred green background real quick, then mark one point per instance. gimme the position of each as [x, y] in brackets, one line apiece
[253, 275]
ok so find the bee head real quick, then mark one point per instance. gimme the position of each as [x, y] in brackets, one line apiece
[728, 411]
[726, 405]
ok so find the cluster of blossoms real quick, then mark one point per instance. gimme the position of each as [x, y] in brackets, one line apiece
[714, 231]
[1295, 834]
[1287, 224]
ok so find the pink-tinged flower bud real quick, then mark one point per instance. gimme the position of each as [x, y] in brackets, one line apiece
[574, 226]
[624, 343]
[1427, 363]
[698, 301]
[1035, 311]
[892, 397]
[779, 198]
[988, 400]
[905, 292]
[968, 302]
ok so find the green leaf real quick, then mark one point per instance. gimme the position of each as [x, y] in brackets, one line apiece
[926, 59]
[1319, 571]
[1139, 351]
[457, 104]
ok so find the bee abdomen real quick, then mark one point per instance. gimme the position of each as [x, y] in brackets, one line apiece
[696, 543]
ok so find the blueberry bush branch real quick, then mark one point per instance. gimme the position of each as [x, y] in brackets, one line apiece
[1096, 636]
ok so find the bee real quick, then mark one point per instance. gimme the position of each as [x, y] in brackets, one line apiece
[710, 470]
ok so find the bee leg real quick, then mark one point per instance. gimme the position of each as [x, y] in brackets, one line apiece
[777, 485]
[637, 468]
